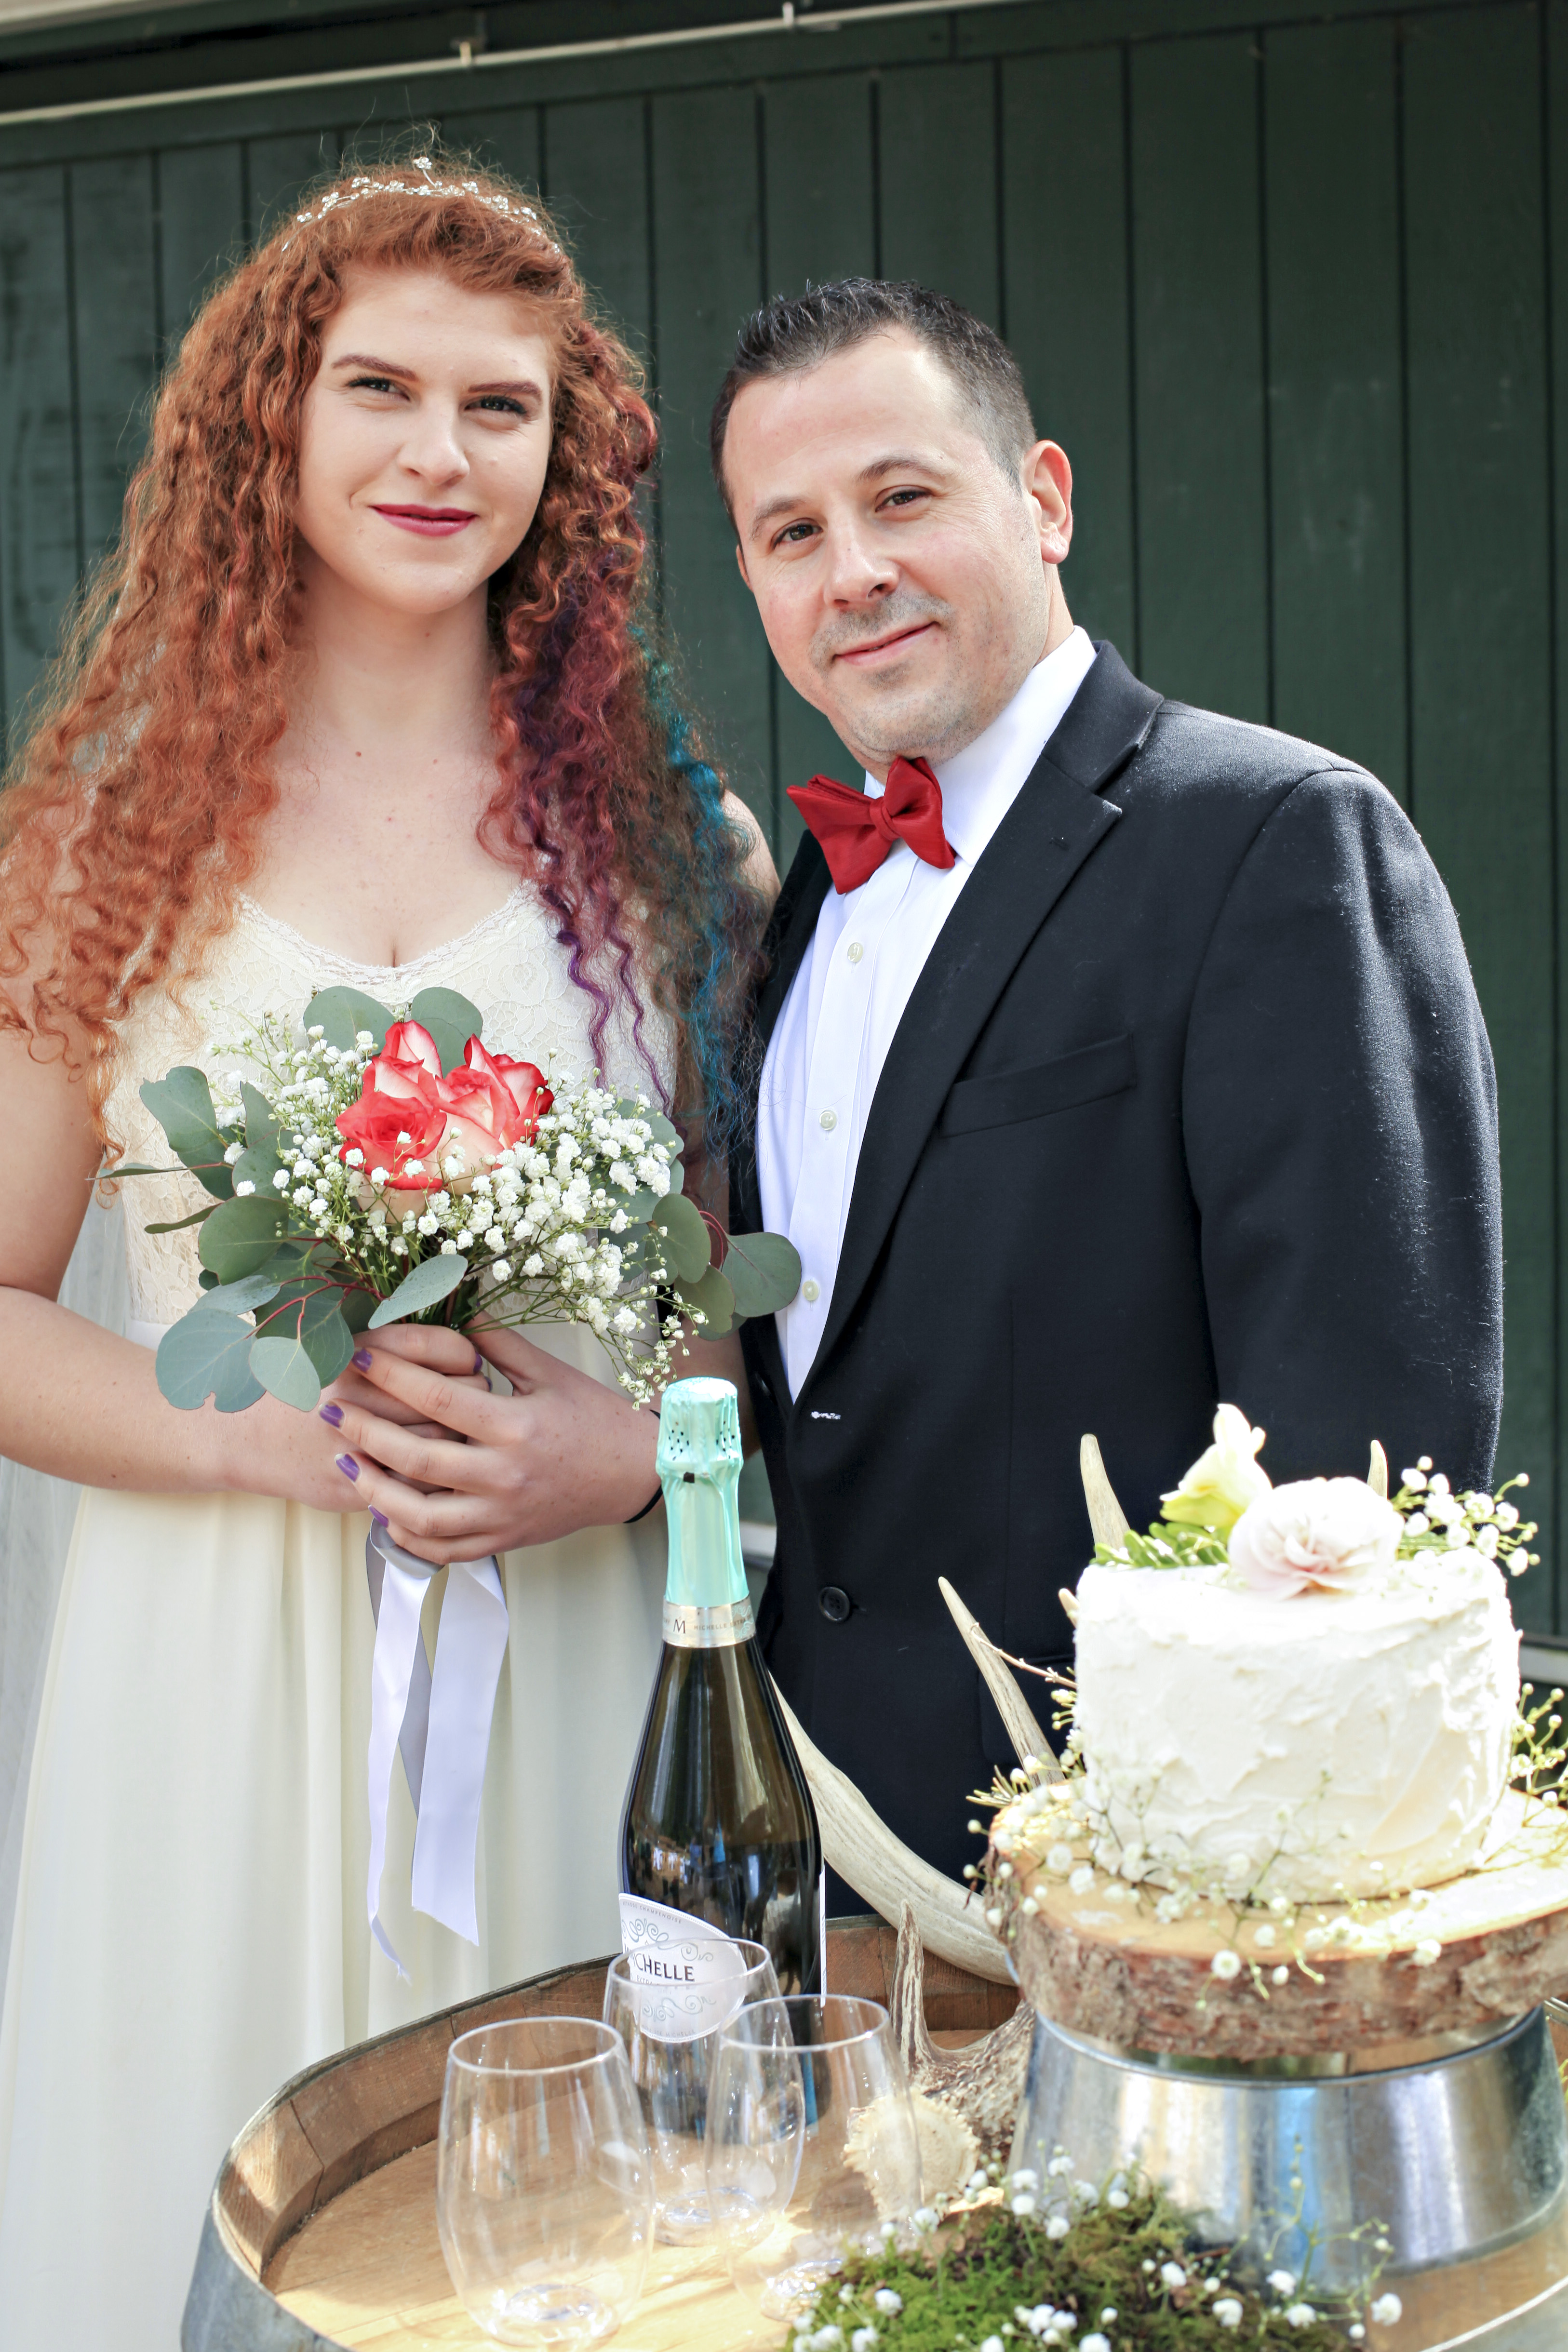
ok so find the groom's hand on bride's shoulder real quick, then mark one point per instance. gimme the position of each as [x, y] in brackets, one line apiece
[455, 1472]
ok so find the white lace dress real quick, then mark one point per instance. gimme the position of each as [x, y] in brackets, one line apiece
[190, 1929]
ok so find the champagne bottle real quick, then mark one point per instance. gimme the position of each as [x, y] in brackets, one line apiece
[719, 1823]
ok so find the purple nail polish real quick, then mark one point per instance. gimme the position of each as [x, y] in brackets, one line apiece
[478, 1361]
[361, 1359]
[379, 1517]
[332, 1414]
[347, 1465]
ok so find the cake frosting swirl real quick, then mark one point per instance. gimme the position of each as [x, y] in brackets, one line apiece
[1350, 1739]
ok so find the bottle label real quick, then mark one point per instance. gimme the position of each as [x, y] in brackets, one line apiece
[687, 1974]
[722, 1627]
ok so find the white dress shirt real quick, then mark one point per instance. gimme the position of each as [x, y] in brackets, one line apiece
[855, 980]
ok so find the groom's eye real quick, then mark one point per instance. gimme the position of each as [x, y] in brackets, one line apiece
[794, 534]
[904, 497]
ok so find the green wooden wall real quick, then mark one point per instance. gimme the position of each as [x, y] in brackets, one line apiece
[1289, 290]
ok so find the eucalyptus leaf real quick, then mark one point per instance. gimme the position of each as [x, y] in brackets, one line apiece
[663, 1131]
[178, 1224]
[257, 1164]
[433, 1279]
[182, 1106]
[450, 1019]
[240, 1237]
[206, 1280]
[285, 1372]
[358, 1306]
[342, 1012]
[238, 1298]
[688, 1251]
[763, 1272]
[640, 1206]
[138, 1168]
[713, 1297]
[262, 1125]
[207, 1354]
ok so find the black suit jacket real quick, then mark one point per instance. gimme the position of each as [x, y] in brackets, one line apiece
[1192, 1101]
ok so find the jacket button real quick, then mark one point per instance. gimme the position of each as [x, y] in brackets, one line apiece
[835, 1603]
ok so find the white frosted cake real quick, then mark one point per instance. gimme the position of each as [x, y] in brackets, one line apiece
[1352, 1739]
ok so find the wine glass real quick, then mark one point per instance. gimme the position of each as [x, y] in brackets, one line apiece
[543, 2188]
[811, 2144]
[671, 2030]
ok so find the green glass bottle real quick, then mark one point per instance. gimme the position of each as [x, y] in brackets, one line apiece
[719, 1823]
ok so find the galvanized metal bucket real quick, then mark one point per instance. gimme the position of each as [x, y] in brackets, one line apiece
[1460, 2153]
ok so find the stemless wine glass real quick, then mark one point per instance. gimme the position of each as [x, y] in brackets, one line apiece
[811, 2144]
[672, 2034]
[543, 2189]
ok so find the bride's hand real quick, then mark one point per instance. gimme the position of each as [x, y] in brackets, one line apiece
[563, 1451]
[274, 1449]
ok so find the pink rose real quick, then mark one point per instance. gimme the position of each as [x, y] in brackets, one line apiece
[399, 1116]
[1323, 1531]
[476, 1111]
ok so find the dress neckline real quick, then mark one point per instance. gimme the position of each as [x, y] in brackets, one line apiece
[401, 973]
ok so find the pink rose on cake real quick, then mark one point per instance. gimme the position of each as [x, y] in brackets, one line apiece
[1329, 1532]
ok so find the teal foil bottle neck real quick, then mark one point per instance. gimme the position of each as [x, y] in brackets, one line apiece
[698, 1464]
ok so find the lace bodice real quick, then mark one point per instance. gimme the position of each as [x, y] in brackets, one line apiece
[509, 965]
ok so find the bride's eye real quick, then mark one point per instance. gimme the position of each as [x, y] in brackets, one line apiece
[373, 383]
[501, 403]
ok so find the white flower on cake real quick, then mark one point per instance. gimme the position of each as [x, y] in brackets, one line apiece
[1224, 1480]
[1316, 1531]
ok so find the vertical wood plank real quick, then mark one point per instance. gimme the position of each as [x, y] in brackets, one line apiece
[114, 282]
[506, 138]
[279, 169]
[596, 186]
[708, 277]
[1480, 651]
[1065, 243]
[820, 212]
[1336, 439]
[1203, 565]
[39, 520]
[937, 147]
[201, 229]
[1554, 1570]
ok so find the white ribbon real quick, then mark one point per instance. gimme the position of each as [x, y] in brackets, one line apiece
[440, 1723]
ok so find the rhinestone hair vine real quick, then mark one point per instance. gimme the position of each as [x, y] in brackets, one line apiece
[362, 185]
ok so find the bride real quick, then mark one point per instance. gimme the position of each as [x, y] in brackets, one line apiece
[362, 698]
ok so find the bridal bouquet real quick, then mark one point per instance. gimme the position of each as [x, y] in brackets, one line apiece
[392, 1169]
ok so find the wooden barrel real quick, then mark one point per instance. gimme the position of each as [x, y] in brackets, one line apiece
[322, 2227]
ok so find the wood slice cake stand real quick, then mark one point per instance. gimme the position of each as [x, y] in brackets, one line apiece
[1102, 1965]
[321, 2232]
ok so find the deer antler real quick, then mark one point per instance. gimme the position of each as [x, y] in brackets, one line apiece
[1106, 1516]
[858, 1845]
[1029, 1742]
[976, 2088]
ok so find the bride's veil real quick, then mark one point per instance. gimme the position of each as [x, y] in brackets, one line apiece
[36, 1514]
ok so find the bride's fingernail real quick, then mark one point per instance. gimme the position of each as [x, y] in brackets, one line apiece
[361, 1359]
[478, 1361]
[347, 1465]
[379, 1517]
[332, 1414]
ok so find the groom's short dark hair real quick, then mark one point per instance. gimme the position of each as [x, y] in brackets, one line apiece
[796, 331]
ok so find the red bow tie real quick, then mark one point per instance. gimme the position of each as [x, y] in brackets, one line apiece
[858, 829]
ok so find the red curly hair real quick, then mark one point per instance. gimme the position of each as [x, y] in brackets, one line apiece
[134, 816]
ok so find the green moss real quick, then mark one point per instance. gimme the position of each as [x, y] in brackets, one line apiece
[967, 2284]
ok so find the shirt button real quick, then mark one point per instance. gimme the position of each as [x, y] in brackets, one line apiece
[835, 1603]
[829, 1120]
[811, 1291]
[855, 951]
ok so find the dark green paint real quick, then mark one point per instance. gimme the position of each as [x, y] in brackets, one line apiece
[1280, 279]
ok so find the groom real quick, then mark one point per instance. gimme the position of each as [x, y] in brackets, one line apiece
[1119, 1058]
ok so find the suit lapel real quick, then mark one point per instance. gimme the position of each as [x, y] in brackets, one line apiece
[1052, 825]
